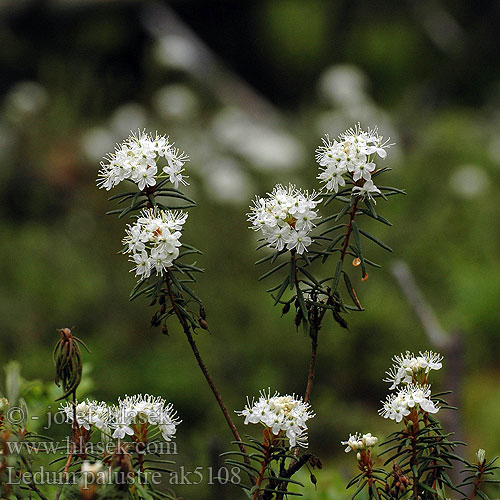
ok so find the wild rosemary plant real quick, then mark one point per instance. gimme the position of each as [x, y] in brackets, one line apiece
[289, 222]
[155, 167]
[415, 460]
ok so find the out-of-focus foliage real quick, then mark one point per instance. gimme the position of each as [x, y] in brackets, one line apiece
[77, 77]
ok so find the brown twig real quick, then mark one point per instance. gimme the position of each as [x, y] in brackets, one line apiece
[74, 427]
[312, 366]
[268, 443]
[352, 215]
[196, 352]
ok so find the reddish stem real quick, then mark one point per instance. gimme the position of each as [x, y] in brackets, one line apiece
[204, 369]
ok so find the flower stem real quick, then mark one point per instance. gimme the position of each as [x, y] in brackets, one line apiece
[352, 215]
[196, 352]
[74, 428]
[265, 462]
[477, 482]
[312, 364]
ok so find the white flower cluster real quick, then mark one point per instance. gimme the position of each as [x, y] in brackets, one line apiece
[88, 413]
[285, 217]
[139, 158]
[153, 241]
[410, 371]
[356, 442]
[409, 368]
[397, 406]
[119, 420]
[351, 157]
[280, 414]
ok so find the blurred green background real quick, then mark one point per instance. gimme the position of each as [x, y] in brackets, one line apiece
[247, 89]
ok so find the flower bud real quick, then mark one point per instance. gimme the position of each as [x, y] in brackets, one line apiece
[369, 440]
[203, 314]
[285, 309]
[480, 456]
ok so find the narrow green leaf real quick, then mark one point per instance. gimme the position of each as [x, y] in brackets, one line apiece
[331, 229]
[273, 270]
[302, 303]
[331, 246]
[360, 488]
[393, 189]
[292, 271]
[379, 217]
[282, 290]
[344, 210]
[351, 291]
[375, 240]
[310, 276]
[336, 277]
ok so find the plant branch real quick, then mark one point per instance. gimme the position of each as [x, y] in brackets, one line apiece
[477, 482]
[312, 365]
[194, 348]
[352, 215]
[265, 462]
[74, 428]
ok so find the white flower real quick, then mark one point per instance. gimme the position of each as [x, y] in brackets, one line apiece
[153, 241]
[281, 414]
[137, 159]
[146, 176]
[356, 442]
[285, 217]
[370, 440]
[299, 240]
[367, 190]
[481, 455]
[408, 367]
[279, 236]
[351, 157]
[88, 413]
[397, 406]
[121, 430]
[144, 409]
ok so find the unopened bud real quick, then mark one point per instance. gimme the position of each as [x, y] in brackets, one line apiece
[298, 317]
[313, 479]
[370, 440]
[164, 330]
[481, 454]
[203, 314]
[203, 323]
[285, 309]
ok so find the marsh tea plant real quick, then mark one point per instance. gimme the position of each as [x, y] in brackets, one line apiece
[315, 252]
